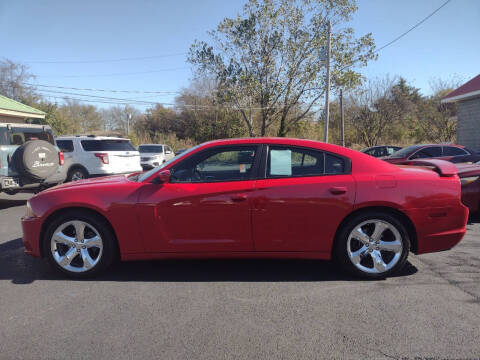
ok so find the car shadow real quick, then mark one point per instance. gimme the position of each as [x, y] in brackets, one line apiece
[474, 218]
[23, 269]
[8, 203]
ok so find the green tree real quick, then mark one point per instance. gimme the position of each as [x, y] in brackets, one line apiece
[269, 60]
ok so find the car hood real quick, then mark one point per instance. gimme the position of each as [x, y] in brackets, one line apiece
[115, 179]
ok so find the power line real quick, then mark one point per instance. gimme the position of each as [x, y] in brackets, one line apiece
[401, 35]
[92, 96]
[112, 74]
[103, 61]
[413, 27]
[104, 90]
[139, 102]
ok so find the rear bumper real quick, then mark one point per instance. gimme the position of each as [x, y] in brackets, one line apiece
[28, 185]
[439, 229]
[31, 228]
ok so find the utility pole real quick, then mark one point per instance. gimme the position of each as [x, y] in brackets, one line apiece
[342, 120]
[129, 117]
[327, 91]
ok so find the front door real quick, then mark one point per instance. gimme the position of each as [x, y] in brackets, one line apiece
[299, 205]
[206, 207]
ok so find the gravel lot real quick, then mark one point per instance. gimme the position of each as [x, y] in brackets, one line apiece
[237, 309]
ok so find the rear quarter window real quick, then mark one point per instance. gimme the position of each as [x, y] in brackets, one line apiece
[65, 145]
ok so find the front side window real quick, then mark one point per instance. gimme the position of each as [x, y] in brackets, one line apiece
[286, 161]
[428, 152]
[65, 145]
[224, 164]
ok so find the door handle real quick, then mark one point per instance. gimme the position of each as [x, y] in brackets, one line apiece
[239, 197]
[338, 190]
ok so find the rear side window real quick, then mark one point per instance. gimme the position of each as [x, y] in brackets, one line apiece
[289, 161]
[429, 152]
[453, 151]
[107, 145]
[65, 145]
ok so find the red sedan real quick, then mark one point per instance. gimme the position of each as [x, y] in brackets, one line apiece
[243, 198]
[470, 178]
[432, 151]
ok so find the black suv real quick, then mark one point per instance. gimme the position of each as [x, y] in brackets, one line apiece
[29, 158]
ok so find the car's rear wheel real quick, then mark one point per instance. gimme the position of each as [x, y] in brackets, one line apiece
[77, 174]
[373, 245]
[79, 244]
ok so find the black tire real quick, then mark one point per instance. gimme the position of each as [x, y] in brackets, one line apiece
[340, 252]
[36, 159]
[77, 173]
[109, 250]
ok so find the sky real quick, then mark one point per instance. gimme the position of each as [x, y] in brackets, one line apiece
[38, 32]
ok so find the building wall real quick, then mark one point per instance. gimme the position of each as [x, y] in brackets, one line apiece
[468, 127]
[11, 119]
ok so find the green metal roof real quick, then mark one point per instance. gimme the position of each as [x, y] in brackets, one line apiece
[12, 105]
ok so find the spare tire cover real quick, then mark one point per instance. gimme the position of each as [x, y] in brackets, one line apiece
[37, 159]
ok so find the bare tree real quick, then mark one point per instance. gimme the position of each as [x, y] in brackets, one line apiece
[14, 78]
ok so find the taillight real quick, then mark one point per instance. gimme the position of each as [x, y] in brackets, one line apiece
[103, 157]
[61, 158]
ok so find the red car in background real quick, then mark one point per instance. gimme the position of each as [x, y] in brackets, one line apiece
[252, 198]
[432, 151]
[470, 178]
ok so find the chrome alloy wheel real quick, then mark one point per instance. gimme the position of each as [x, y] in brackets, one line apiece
[374, 246]
[76, 246]
[78, 175]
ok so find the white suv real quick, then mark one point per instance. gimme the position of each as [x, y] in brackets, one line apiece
[90, 156]
[153, 155]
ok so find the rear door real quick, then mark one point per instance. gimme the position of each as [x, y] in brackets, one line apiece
[302, 198]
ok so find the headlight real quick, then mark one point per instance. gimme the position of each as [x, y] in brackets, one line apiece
[468, 180]
[28, 211]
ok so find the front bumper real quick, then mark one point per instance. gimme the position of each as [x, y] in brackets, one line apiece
[150, 164]
[31, 227]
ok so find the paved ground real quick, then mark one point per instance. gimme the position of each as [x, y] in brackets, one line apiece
[237, 309]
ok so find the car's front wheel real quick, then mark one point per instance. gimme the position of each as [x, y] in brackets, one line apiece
[373, 245]
[79, 244]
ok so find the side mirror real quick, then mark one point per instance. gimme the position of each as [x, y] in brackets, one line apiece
[163, 176]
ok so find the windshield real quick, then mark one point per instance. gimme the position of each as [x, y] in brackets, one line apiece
[150, 148]
[405, 151]
[149, 173]
[107, 145]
